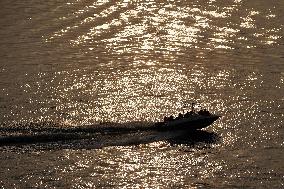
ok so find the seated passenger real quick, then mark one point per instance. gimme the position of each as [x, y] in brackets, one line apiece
[187, 114]
[204, 112]
[180, 116]
[201, 112]
[166, 119]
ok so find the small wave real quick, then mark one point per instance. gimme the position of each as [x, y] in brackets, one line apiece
[39, 133]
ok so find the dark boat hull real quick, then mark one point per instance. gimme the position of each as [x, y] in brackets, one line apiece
[187, 124]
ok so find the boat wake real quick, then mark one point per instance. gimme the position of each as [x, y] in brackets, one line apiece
[98, 136]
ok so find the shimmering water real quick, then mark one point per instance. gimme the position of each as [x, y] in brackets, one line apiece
[73, 64]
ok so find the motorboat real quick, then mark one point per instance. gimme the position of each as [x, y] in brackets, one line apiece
[189, 121]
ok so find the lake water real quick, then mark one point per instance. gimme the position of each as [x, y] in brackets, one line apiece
[69, 64]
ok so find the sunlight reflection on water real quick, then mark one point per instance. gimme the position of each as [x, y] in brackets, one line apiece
[170, 27]
[77, 63]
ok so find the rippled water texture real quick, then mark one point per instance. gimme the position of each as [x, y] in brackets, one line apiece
[78, 63]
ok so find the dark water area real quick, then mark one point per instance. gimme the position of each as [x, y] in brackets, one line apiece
[73, 70]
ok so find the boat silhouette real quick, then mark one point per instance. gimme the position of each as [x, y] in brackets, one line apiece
[190, 121]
